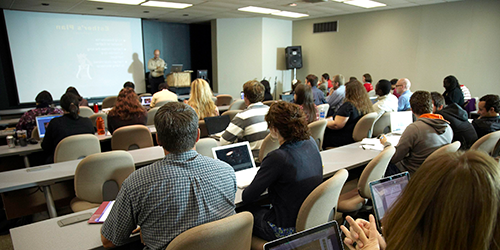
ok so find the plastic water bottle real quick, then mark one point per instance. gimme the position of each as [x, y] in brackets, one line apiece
[100, 126]
[322, 114]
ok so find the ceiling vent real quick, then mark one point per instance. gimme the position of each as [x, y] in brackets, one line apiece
[326, 27]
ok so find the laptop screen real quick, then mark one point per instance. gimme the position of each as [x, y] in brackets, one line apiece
[400, 120]
[326, 236]
[287, 98]
[176, 68]
[146, 100]
[238, 155]
[216, 124]
[43, 121]
[386, 191]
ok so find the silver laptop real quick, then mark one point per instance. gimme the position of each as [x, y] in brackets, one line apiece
[239, 156]
[176, 68]
[400, 120]
[146, 100]
[42, 122]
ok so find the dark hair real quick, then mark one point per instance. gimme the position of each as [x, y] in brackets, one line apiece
[491, 101]
[312, 79]
[394, 81]
[353, 78]
[326, 76]
[267, 87]
[75, 92]
[306, 100]
[43, 99]
[129, 85]
[450, 82]
[438, 99]
[368, 77]
[421, 102]
[177, 127]
[127, 105]
[254, 91]
[162, 86]
[384, 86]
[289, 120]
[69, 102]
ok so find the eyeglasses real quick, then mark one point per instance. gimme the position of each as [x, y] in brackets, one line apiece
[399, 85]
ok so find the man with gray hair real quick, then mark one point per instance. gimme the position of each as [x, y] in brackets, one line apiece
[170, 196]
[337, 94]
[403, 88]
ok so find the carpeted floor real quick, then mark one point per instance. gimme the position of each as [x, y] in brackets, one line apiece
[6, 242]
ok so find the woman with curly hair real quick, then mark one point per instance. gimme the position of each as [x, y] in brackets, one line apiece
[289, 173]
[201, 99]
[127, 111]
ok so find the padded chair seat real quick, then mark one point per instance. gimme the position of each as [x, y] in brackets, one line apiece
[79, 205]
[257, 243]
[350, 201]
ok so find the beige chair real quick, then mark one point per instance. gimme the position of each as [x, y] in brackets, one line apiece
[159, 104]
[496, 150]
[268, 144]
[104, 116]
[487, 143]
[317, 129]
[231, 233]
[231, 113]
[131, 137]
[145, 94]
[203, 129]
[34, 134]
[223, 100]
[204, 146]
[86, 111]
[356, 192]
[363, 128]
[109, 102]
[382, 125]
[269, 103]
[238, 105]
[213, 99]
[99, 177]
[76, 147]
[320, 205]
[448, 148]
[151, 116]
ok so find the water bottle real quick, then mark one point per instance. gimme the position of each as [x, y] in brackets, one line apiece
[100, 126]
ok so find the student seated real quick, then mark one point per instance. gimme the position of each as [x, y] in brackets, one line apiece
[319, 97]
[172, 195]
[127, 111]
[267, 90]
[367, 83]
[337, 95]
[68, 124]
[451, 202]
[82, 101]
[386, 102]
[163, 95]
[43, 107]
[403, 89]
[200, 99]
[453, 93]
[304, 98]
[488, 110]
[289, 173]
[356, 104]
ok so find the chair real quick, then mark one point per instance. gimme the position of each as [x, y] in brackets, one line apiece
[323, 108]
[86, 111]
[145, 94]
[353, 199]
[268, 144]
[486, 143]
[109, 102]
[76, 147]
[320, 205]
[104, 116]
[363, 128]
[231, 233]
[99, 177]
[223, 100]
[448, 148]
[231, 113]
[382, 125]
[34, 134]
[269, 103]
[204, 146]
[496, 150]
[131, 137]
[151, 115]
[159, 104]
[317, 129]
[203, 129]
[238, 105]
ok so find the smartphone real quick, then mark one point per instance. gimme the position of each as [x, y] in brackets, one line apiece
[242, 95]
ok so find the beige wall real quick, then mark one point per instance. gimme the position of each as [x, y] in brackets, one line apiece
[424, 44]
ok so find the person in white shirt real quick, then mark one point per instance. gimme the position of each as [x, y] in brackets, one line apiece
[163, 95]
[386, 101]
[156, 67]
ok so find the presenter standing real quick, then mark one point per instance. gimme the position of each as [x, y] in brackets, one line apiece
[156, 66]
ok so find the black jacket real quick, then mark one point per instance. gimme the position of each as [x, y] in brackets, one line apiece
[463, 130]
[454, 95]
[486, 125]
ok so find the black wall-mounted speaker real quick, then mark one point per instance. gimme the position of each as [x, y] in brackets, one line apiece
[293, 56]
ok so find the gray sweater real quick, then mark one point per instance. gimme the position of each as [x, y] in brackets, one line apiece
[419, 140]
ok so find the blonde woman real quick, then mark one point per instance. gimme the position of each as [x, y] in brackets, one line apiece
[201, 99]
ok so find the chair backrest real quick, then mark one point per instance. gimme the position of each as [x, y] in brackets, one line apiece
[203, 128]
[374, 171]
[85, 111]
[320, 205]
[159, 104]
[104, 116]
[145, 94]
[34, 133]
[268, 144]
[204, 146]
[363, 128]
[231, 233]
[238, 105]
[224, 99]
[487, 142]
[317, 129]
[109, 102]
[268, 103]
[382, 125]
[99, 177]
[131, 137]
[151, 116]
[323, 108]
[449, 148]
[76, 147]
[231, 113]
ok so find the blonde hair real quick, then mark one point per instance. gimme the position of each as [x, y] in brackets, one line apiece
[451, 202]
[201, 99]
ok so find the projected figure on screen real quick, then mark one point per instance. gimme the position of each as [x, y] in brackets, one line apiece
[84, 67]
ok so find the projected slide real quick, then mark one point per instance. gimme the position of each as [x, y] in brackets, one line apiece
[95, 54]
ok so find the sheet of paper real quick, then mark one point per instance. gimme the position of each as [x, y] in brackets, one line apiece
[104, 215]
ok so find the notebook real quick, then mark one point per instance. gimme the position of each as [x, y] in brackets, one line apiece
[239, 156]
[146, 100]
[101, 214]
[42, 122]
[324, 237]
[386, 191]
[216, 124]
[400, 120]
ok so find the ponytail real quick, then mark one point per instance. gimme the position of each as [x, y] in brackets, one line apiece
[73, 111]
[69, 102]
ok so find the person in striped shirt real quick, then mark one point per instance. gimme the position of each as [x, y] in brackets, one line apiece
[249, 125]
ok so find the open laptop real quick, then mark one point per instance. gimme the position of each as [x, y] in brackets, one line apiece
[239, 156]
[216, 124]
[400, 120]
[43, 121]
[323, 237]
[176, 68]
[146, 100]
[385, 192]
[287, 98]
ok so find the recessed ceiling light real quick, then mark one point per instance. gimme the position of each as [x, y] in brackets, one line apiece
[365, 3]
[258, 10]
[289, 14]
[131, 2]
[166, 4]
